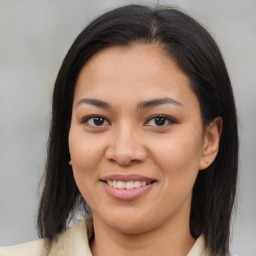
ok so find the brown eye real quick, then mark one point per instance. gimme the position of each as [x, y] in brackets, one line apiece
[160, 120]
[96, 121]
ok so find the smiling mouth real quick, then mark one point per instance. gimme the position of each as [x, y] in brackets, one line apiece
[128, 184]
[126, 189]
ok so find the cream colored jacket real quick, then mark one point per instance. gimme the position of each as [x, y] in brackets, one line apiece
[74, 242]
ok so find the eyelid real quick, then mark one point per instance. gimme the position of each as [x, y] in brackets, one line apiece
[168, 118]
[87, 118]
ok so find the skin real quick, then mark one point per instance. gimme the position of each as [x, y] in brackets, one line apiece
[129, 141]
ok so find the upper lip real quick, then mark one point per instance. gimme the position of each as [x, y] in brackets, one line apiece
[125, 178]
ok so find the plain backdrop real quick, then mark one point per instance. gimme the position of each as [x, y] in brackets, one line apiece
[34, 38]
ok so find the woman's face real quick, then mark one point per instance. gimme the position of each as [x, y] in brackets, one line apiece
[136, 138]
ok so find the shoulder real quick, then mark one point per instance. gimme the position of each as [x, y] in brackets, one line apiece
[199, 248]
[34, 248]
[73, 241]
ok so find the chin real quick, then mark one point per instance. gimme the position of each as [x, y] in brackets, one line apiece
[129, 227]
[130, 223]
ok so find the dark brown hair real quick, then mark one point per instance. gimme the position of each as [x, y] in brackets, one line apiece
[198, 56]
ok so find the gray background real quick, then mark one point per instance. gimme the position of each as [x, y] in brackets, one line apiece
[34, 37]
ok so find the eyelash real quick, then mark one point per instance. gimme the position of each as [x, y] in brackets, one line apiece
[165, 117]
[86, 120]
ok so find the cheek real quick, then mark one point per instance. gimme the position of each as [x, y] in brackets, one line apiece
[85, 160]
[86, 156]
[85, 152]
[179, 165]
[178, 159]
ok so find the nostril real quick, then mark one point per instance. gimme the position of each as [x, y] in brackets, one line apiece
[125, 154]
[122, 162]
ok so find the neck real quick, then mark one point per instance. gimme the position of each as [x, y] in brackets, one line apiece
[171, 238]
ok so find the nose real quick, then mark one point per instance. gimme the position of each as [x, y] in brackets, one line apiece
[126, 147]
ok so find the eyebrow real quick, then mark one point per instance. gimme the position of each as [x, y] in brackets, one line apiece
[95, 102]
[160, 101]
[141, 105]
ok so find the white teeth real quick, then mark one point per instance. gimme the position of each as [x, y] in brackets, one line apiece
[129, 185]
[120, 184]
[126, 185]
[137, 184]
[114, 184]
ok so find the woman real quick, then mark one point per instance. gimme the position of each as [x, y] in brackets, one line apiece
[143, 138]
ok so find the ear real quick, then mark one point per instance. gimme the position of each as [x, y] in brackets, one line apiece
[211, 143]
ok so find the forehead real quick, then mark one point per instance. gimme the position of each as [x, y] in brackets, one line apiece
[130, 73]
[143, 59]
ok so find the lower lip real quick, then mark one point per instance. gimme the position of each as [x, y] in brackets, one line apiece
[127, 194]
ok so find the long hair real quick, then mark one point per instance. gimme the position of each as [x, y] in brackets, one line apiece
[184, 40]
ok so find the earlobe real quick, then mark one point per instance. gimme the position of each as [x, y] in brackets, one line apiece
[211, 143]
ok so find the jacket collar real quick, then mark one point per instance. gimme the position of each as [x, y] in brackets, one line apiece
[75, 241]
